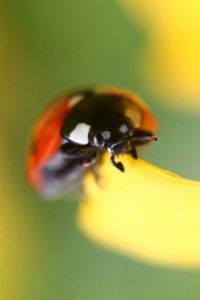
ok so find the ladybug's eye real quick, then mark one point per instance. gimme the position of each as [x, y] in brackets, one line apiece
[98, 140]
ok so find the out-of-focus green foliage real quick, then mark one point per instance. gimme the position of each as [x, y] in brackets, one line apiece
[50, 47]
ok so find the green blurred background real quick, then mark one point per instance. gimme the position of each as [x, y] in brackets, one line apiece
[47, 48]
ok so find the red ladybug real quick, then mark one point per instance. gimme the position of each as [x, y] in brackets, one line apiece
[74, 132]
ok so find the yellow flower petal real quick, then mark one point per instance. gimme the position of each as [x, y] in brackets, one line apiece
[145, 212]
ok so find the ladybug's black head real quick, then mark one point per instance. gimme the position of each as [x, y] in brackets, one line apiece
[110, 131]
[117, 134]
[114, 134]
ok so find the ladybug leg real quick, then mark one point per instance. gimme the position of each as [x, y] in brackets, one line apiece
[133, 153]
[97, 178]
[117, 165]
[76, 151]
[94, 170]
[90, 159]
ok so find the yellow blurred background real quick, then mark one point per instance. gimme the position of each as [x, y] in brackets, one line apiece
[46, 48]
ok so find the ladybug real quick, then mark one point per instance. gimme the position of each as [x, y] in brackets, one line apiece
[74, 132]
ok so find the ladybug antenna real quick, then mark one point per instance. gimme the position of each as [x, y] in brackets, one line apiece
[144, 137]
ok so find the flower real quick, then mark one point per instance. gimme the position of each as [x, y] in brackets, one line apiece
[146, 212]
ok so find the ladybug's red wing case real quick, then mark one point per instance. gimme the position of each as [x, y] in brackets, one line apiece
[48, 170]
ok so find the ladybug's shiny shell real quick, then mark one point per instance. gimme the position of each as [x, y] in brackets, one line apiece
[73, 133]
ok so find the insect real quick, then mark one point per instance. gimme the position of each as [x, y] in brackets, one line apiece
[74, 132]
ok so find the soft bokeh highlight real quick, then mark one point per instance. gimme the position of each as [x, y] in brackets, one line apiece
[172, 59]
